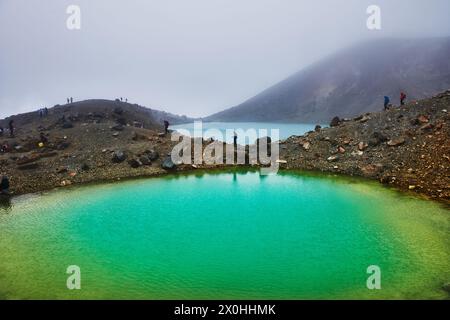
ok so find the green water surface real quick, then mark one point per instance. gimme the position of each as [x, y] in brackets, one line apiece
[228, 235]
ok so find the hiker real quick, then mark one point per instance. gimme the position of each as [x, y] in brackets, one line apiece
[121, 99]
[11, 128]
[402, 98]
[43, 138]
[68, 100]
[235, 139]
[1, 131]
[166, 126]
[71, 100]
[386, 102]
[5, 147]
[126, 100]
[45, 111]
[4, 185]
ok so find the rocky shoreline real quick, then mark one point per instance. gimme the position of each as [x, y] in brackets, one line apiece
[406, 147]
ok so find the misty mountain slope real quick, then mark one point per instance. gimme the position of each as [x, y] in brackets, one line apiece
[351, 82]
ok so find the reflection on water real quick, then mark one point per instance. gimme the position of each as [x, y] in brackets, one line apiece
[5, 204]
[224, 235]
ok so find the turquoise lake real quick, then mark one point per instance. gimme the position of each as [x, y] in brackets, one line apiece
[225, 235]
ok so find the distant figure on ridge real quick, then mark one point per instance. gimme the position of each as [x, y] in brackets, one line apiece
[166, 126]
[68, 100]
[4, 185]
[71, 100]
[42, 112]
[386, 102]
[11, 128]
[402, 98]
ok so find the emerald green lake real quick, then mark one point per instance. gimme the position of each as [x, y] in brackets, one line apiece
[225, 235]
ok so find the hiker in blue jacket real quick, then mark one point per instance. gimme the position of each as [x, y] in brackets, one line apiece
[386, 102]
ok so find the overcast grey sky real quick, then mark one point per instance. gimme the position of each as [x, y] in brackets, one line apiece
[191, 57]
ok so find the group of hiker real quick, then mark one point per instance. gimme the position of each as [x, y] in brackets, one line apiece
[43, 112]
[5, 147]
[11, 129]
[122, 99]
[69, 100]
[387, 100]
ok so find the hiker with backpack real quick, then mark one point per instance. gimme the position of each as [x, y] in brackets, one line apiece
[166, 126]
[386, 102]
[11, 128]
[402, 98]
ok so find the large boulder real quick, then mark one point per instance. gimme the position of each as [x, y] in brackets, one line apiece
[152, 154]
[118, 156]
[67, 125]
[135, 163]
[168, 164]
[145, 160]
[335, 122]
[377, 138]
